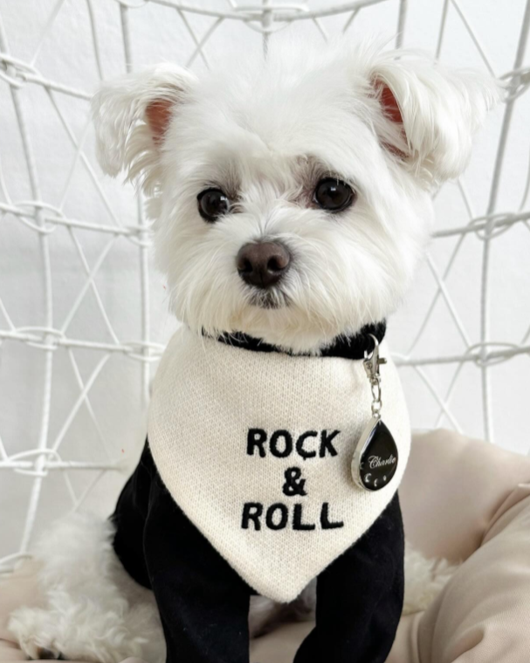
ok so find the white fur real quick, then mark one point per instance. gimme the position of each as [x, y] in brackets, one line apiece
[265, 133]
[424, 579]
[92, 609]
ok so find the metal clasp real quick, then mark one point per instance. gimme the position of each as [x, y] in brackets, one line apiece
[373, 361]
[371, 364]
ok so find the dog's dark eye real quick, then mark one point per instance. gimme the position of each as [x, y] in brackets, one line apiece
[333, 195]
[213, 203]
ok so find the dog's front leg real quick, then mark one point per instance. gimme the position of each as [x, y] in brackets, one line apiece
[203, 603]
[360, 598]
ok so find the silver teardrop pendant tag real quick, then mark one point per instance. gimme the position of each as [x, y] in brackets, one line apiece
[375, 459]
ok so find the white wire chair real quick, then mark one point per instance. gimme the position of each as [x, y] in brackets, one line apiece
[69, 343]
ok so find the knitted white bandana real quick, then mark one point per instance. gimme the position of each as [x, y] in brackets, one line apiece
[256, 449]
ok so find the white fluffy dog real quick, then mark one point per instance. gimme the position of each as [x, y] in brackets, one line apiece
[330, 154]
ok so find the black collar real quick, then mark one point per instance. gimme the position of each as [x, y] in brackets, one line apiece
[346, 347]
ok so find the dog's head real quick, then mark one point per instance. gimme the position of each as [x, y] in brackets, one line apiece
[292, 198]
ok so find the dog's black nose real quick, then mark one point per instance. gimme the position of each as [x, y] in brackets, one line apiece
[263, 264]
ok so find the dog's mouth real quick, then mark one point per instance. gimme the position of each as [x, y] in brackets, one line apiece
[270, 299]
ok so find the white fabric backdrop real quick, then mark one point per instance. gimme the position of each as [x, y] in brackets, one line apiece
[76, 352]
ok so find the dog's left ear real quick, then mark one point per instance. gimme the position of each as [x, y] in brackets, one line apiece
[429, 114]
[132, 115]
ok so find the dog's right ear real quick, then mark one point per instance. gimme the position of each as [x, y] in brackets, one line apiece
[132, 115]
[429, 113]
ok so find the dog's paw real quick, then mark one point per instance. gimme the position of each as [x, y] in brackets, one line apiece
[45, 654]
[33, 630]
[49, 655]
